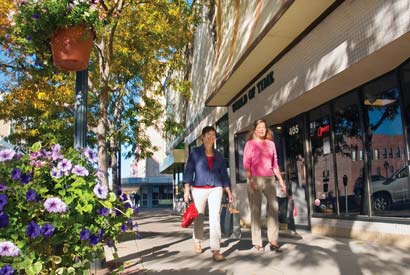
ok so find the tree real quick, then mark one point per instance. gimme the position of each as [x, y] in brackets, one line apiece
[140, 44]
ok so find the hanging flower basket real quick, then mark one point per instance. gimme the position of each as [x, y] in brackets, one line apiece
[71, 48]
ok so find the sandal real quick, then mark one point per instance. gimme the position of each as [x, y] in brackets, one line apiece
[275, 247]
[217, 256]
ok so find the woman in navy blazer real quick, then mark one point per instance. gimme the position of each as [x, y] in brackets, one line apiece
[206, 173]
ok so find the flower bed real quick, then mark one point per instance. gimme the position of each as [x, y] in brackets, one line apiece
[55, 215]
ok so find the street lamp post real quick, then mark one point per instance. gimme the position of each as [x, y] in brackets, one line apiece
[80, 110]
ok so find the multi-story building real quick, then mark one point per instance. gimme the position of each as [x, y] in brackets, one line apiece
[153, 190]
[332, 79]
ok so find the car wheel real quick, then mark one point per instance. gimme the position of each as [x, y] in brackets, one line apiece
[382, 202]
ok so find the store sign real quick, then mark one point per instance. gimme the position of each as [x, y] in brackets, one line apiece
[323, 130]
[255, 89]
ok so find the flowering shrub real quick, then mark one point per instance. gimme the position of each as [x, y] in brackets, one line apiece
[34, 21]
[55, 215]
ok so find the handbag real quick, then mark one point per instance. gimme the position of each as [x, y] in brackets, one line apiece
[230, 222]
[189, 215]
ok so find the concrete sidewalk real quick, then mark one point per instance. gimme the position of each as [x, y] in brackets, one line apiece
[167, 249]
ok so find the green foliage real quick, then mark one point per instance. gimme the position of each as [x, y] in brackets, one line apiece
[36, 21]
[51, 201]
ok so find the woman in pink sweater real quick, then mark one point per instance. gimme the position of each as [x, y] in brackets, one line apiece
[261, 166]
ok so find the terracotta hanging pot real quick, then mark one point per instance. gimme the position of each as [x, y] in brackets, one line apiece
[71, 48]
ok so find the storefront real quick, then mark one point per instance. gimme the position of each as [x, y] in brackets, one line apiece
[338, 103]
[332, 79]
[149, 192]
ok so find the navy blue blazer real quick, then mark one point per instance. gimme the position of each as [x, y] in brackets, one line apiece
[197, 172]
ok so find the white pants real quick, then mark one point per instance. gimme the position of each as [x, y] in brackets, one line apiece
[214, 198]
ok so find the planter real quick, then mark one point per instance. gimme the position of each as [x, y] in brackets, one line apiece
[71, 48]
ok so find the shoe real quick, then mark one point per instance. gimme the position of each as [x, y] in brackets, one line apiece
[275, 247]
[198, 248]
[217, 256]
[258, 248]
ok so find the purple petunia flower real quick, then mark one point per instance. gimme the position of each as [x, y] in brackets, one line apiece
[101, 191]
[25, 178]
[29, 38]
[80, 171]
[55, 205]
[4, 220]
[15, 174]
[64, 165]
[123, 227]
[103, 211]
[3, 187]
[94, 239]
[3, 201]
[90, 155]
[9, 249]
[56, 173]
[33, 230]
[31, 195]
[36, 16]
[7, 270]
[6, 154]
[47, 230]
[101, 234]
[55, 152]
[84, 234]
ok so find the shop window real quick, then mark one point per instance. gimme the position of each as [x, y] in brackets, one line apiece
[348, 133]
[240, 140]
[222, 138]
[323, 168]
[382, 103]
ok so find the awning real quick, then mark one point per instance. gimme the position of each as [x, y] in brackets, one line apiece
[175, 159]
[281, 33]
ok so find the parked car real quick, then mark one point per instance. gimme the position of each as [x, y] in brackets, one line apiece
[387, 192]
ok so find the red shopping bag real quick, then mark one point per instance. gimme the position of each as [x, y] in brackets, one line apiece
[189, 215]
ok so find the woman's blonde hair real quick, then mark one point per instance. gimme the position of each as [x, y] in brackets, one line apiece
[268, 134]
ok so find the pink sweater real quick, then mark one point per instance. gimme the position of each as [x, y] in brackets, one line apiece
[260, 157]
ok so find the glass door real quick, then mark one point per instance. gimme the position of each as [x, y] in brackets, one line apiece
[322, 161]
[296, 169]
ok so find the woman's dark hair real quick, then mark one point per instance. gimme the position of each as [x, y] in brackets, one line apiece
[268, 134]
[208, 129]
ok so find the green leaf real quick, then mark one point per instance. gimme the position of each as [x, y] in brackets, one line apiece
[34, 269]
[111, 197]
[106, 204]
[71, 270]
[60, 270]
[36, 147]
[56, 259]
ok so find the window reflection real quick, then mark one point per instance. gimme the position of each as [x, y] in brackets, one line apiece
[389, 192]
[349, 138]
[323, 168]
